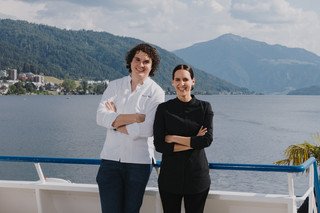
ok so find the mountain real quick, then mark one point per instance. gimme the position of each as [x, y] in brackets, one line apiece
[313, 90]
[86, 54]
[255, 65]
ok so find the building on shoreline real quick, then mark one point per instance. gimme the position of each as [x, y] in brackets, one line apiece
[31, 83]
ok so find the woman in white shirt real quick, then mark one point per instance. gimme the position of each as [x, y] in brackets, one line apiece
[127, 111]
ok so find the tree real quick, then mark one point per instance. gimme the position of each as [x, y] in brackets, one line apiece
[83, 87]
[298, 153]
[30, 87]
[69, 85]
[17, 89]
[99, 88]
[12, 89]
[20, 88]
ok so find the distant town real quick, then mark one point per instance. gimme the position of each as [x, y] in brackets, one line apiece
[14, 83]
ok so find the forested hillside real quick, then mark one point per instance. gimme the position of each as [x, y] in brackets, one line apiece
[85, 54]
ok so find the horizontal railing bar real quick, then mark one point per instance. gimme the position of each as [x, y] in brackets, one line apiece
[263, 167]
[220, 166]
[50, 160]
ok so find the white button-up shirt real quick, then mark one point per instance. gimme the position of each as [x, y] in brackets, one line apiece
[134, 147]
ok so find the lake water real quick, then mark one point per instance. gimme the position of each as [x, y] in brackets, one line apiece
[247, 129]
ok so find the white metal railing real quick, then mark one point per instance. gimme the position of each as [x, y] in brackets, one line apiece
[312, 192]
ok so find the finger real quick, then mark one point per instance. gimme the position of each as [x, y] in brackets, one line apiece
[108, 105]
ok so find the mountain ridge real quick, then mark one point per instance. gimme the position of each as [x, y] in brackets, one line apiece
[253, 64]
[87, 54]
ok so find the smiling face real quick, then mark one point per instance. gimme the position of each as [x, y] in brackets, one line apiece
[183, 83]
[141, 65]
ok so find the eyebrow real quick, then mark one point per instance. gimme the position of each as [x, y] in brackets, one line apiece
[136, 57]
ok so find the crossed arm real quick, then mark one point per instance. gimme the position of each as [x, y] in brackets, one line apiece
[122, 120]
[182, 143]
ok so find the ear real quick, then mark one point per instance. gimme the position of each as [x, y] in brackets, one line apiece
[193, 81]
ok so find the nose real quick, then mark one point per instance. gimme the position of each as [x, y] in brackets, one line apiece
[141, 64]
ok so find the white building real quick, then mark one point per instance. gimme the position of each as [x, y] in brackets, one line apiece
[3, 73]
[13, 74]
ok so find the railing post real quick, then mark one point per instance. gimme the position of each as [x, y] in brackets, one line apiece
[290, 185]
[316, 184]
[40, 173]
[311, 203]
[291, 194]
[38, 191]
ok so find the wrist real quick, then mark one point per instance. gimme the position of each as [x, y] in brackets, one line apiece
[136, 118]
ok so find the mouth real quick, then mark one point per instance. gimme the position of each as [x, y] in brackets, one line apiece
[182, 89]
[139, 70]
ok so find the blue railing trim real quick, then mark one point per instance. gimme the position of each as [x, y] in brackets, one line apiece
[263, 167]
[316, 185]
[219, 166]
[90, 161]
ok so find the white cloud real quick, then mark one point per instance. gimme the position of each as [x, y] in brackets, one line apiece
[19, 10]
[261, 11]
[174, 24]
[277, 22]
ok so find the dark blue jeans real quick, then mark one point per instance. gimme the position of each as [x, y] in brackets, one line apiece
[122, 186]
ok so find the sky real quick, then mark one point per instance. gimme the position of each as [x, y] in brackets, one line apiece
[176, 24]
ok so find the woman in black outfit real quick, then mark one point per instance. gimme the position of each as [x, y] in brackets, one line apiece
[182, 129]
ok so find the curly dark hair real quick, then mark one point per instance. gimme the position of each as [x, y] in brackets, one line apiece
[150, 51]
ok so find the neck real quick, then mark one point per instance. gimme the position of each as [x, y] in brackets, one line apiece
[135, 82]
[186, 98]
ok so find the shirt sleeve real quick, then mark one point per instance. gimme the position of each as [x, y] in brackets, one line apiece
[145, 129]
[200, 142]
[104, 116]
[159, 132]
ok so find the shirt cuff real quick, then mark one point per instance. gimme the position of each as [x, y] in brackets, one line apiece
[112, 117]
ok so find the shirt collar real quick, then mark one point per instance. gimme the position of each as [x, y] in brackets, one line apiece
[146, 82]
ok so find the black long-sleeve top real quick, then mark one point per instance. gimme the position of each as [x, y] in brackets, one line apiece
[184, 172]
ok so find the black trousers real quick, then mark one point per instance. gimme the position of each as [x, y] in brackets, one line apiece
[193, 203]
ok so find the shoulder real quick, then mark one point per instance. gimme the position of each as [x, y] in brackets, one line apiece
[118, 81]
[206, 105]
[155, 88]
[169, 103]
[154, 85]
[199, 101]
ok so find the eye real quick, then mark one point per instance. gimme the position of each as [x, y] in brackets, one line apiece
[146, 62]
[136, 59]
